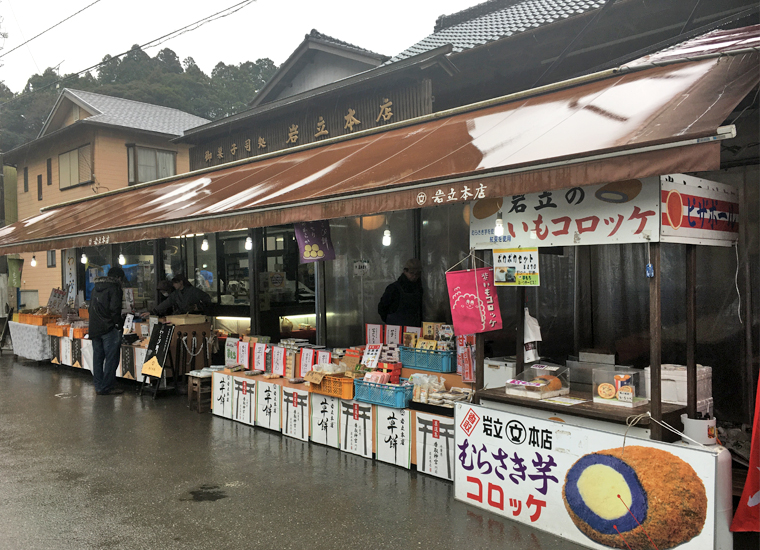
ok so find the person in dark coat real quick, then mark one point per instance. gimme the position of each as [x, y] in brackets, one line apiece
[105, 330]
[401, 303]
[185, 298]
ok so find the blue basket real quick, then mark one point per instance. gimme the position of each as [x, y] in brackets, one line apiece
[386, 395]
[423, 359]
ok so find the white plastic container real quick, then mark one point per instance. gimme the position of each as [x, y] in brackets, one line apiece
[673, 379]
[701, 431]
[497, 370]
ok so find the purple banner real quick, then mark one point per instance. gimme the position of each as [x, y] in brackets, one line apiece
[314, 243]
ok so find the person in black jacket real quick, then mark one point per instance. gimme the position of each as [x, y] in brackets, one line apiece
[105, 330]
[185, 299]
[401, 303]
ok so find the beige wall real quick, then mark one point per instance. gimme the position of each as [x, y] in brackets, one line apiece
[41, 278]
[110, 173]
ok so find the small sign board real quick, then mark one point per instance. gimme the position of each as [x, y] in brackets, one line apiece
[516, 267]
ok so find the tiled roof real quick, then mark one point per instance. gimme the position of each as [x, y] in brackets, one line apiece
[319, 36]
[137, 115]
[496, 19]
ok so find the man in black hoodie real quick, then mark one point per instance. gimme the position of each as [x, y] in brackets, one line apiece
[105, 330]
[401, 303]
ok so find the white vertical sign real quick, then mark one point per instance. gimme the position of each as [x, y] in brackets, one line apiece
[244, 354]
[260, 357]
[295, 413]
[66, 351]
[393, 436]
[356, 426]
[278, 360]
[392, 334]
[323, 357]
[268, 405]
[307, 360]
[222, 395]
[244, 400]
[325, 420]
[435, 445]
[230, 352]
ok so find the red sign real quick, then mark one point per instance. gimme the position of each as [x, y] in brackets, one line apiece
[473, 299]
[470, 422]
[356, 411]
[245, 387]
[295, 399]
[436, 429]
[747, 517]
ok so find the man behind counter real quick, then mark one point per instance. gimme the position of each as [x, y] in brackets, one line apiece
[185, 299]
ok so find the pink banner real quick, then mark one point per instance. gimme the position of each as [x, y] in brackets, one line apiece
[474, 304]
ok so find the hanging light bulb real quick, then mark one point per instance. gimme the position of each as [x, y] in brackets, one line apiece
[249, 244]
[83, 259]
[498, 230]
[33, 263]
[387, 237]
[122, 259]
[204, 245]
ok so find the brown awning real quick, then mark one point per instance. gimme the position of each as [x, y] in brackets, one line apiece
[629, 125]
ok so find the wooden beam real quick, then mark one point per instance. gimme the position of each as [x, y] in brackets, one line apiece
[480, 344]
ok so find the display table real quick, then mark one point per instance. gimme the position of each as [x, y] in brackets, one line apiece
[587, 414]
[30, 341]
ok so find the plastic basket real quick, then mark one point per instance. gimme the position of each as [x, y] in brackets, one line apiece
[42, 320]
[335, 386]
[397, 397]
[423, 359]
[58, 330]
[80, 332]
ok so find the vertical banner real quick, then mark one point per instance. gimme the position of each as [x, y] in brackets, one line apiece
[221, 402]
[295, 413]
[374, 334]
[747, 516]
[314, 242]
[15, 268]
[70, 273]
[268, 405]
[260, 357]
[393, 436]
[307, 360]
[278, 360]
[474, 304]
[356, 424]
[393, 334]
[243, 400]
[325, 420]
[435, 445]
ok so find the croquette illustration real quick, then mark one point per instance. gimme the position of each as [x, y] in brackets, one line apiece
[622, 498]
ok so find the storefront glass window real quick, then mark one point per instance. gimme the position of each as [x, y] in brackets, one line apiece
[98, 264]
[233, 268]
[140, 271]
[185, 255]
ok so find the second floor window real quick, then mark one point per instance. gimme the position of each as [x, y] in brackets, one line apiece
[147, 164]
[75, 167]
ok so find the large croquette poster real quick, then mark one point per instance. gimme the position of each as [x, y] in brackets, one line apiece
[585, 485]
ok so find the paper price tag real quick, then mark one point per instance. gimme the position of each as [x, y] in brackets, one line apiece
[323, 357]
[307, 360]
[278, 360]
[260, 357]
[243, 354]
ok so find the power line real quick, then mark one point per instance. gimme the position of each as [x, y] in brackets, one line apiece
[48, 29]
[153, 43]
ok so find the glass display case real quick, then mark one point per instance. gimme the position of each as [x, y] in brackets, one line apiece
[539, 382]
[621, 387]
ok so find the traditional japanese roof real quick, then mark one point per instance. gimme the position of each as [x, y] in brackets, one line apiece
[115, 111]
[303, 55]
[496, 19]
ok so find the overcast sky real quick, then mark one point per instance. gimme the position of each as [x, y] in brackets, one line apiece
[265, 28]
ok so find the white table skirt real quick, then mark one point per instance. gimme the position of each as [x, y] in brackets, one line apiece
[30, 341]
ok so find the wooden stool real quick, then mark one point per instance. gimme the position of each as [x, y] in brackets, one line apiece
[199, 393]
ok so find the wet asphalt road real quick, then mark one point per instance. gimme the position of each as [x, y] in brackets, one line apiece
[81, 471]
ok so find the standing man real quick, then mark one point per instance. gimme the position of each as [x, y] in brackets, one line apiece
[401, 303]
[105, 330]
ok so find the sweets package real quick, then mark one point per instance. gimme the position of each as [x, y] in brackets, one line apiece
[410, 339]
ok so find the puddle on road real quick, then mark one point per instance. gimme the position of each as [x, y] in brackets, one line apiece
[65, 395]
[206, 493]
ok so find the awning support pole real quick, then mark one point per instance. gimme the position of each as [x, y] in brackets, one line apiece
[655, 342]
[691, 330]
[480, 344]
[254, 283]
[320, 302]
[520, 344]
[747, 377]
